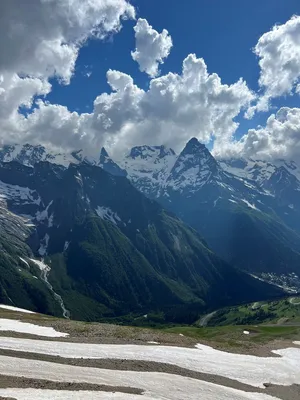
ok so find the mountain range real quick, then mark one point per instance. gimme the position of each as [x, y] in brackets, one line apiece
[246, 210]
[155, 232]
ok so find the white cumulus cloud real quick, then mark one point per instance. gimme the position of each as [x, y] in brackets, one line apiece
[41, 39]
[279, 59]
[279, 138]
[152, 48]
[174, 108]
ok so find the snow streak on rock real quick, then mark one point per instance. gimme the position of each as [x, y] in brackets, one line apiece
[45, 270]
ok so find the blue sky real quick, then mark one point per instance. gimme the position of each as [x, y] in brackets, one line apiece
[222, 32]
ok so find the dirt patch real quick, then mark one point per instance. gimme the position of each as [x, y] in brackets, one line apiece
[83, 332]
[284, 392]
[24, 383]
[6, 398]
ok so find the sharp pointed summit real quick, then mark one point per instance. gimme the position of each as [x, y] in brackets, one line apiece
[107, 163]
[193, 146]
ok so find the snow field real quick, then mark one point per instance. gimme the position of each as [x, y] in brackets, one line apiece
[251, 370]
[154, 384]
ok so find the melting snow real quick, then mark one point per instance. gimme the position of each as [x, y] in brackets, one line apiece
[155, 385]
[247, 369]
[16, 309]
[107, 214]
[18, 193]
[45, 270]
[215, 201]
[44, 246]
[50, 221]
[66, 245]
[250, 205]
[25, 327]
[42, 215]
[24, 261]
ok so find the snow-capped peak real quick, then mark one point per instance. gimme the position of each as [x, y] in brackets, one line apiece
[194, 166]
[29, 155]
[193, 146]
[150, 152]
[258, 170]
[155, 169]
[148, 167]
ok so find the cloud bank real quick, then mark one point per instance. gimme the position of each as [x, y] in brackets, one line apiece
[42, 40]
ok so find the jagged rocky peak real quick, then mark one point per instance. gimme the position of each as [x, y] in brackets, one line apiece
[107, 163]
[78, 155]
[195, 155]
[103, 155]
[145, 152]
[193, 168]
[193, 146]
[22, 153]
[282, 176]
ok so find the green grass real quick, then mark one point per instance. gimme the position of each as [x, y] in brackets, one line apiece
[233, 336]
[285, 311]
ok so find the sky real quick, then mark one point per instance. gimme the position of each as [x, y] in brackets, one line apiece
[111, 73]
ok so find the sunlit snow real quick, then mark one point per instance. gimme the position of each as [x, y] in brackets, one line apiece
[107, 214]
[247, 369]
[32, 329]
[155, 385]
[16, 309]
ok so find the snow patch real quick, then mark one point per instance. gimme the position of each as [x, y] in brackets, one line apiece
[66, 245]
[50, 221]
[107, 214]
[16, 309]
[24, 261]
[25, 327]
[42, 215]
[45, 270]
[19, 194]
[250, 205]
[44, 246]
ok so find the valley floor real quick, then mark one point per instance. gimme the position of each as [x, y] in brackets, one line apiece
[98, 361]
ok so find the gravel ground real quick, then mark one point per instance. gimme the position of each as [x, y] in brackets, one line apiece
[24, 383]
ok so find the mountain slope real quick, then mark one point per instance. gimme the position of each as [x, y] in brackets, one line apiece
[110, 251]
[244, 220]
